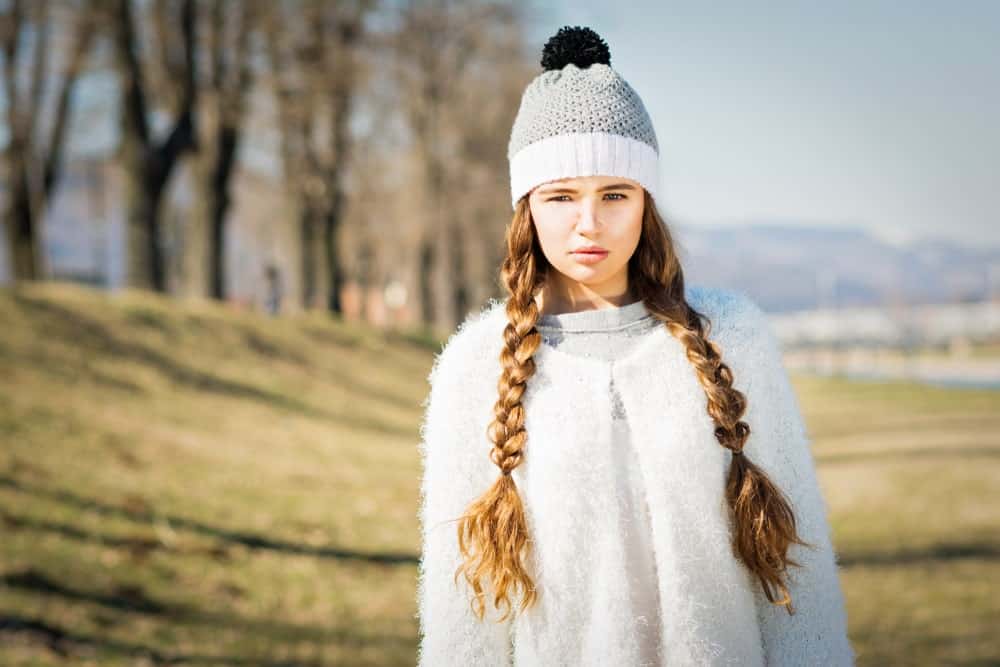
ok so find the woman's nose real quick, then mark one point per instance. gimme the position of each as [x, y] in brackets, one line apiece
[588, 215]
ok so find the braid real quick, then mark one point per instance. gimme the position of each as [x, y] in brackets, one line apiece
[763, 520]
[762, 515]
[493, 534]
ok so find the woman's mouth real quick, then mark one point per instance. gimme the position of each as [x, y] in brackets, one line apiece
[590, 256]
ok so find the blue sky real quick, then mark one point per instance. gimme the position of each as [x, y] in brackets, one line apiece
[881, 115]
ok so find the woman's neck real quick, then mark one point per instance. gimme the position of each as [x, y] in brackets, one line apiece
[550, 303]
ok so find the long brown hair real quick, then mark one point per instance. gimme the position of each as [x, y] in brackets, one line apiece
[493, 535]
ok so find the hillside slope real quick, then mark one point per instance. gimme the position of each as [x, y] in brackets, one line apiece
[182, 480]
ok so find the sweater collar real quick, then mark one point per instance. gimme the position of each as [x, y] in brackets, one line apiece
[595, 319]
[553, 356]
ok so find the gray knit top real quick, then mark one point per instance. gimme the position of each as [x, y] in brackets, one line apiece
[600, 333]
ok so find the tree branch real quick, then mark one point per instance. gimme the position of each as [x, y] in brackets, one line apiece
[40, 62]
[135, 96]
[76, 58]
[181, 136]
[10, 33]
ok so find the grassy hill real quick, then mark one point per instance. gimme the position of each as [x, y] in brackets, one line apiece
[188, 481]
[185, 483]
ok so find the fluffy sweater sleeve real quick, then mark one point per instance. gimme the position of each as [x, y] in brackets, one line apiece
[456, 470]
[817, 633]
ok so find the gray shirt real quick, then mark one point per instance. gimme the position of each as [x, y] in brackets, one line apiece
[601, 333]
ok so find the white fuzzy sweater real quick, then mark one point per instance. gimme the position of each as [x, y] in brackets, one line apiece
[713, 612]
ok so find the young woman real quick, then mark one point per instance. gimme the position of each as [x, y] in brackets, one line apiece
[616, 470]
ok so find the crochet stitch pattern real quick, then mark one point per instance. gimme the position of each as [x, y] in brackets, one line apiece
[577, 100]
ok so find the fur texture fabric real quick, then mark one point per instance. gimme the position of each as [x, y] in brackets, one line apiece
[713, 611]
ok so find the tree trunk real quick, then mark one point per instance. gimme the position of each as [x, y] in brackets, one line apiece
[307, 249]
[227, 145]
[23, 233]
[334, 270]
[425, 276]
[145, 263]
[459, 277]
[148, 165]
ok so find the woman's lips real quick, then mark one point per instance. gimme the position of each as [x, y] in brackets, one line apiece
[590, 256]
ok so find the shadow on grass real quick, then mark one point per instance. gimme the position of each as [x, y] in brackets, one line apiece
[974, 646]
[64, 642]
[136, 546]
[245, 539]
[122, 598]
[92, 335]
[910, 453]
[132, 600]
[936, 553]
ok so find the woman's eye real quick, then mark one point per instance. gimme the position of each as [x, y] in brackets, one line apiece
[617, 196]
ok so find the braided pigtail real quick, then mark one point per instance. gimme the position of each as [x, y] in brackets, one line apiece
[493, 532]
[763, 520]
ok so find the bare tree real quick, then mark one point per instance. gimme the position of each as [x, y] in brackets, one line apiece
[33, 165]
[148, 162]
[221, 116]
[448, 62]
[315, 69]
[480, 193]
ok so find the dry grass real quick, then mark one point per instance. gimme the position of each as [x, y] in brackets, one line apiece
[185, 482]
[910, 473]
[181, 482]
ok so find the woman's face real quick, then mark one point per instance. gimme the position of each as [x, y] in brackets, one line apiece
[576, 213]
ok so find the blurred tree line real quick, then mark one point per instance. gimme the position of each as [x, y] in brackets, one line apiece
[389, 120]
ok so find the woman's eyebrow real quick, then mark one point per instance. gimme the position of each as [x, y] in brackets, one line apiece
[564, 189]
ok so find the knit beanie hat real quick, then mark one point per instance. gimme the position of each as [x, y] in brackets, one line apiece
[579, 117]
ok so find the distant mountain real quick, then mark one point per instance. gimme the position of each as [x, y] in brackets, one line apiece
[788, 268]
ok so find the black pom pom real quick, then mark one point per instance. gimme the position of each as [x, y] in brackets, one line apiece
[581, 46]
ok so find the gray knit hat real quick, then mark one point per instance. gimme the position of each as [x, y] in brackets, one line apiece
[580, 118]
